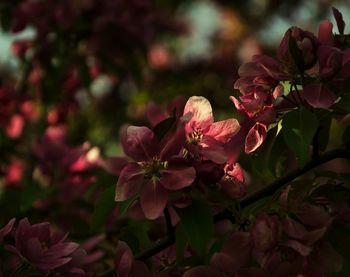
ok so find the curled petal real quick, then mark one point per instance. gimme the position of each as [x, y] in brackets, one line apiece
[255, 137]
[325, 33]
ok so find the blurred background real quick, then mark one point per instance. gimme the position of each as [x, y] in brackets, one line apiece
[107, 59]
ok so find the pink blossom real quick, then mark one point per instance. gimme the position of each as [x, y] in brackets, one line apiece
[232, 183]
[45, 250]
[155, 170]
[205, 137]
[126, 266]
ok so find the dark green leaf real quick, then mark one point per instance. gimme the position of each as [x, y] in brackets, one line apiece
[103, 207]
[164, 126]
[346, 136]
[125, 205]
[299, 127]
[28, 196]
[197, 223]
[180, 243]
[339, 237]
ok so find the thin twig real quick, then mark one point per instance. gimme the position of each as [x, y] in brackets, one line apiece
[262, 193]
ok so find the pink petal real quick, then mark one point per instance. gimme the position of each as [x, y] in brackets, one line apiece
[139, 269]
[255, 137]
[177, 176]
[202, 115]
[139, 143]
[153, 199]
[213, 150]
[313, 215]
[223, 130]
[302, 249]
[224, 263]
[129, 182]
[239, 246]
[233, 181]
[293, 228]
[325, 33]
[123, 259]
[7, 229]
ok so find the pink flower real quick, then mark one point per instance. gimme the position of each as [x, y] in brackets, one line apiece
[232, 183]
[307, 44]
[205, 137]
[43, 249]
[265, 233]
[126, 266]
[234, 254]
[263, 73]
[156, 169]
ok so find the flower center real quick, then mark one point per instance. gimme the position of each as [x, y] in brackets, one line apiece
[195, 137]
[152, 169]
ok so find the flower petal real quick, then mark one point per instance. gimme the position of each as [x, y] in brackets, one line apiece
[202, 114]
[255, 137]
[153, 199]
[177, 176]
[319, 96]
[129, 182]
[223, 130]
[139, 143]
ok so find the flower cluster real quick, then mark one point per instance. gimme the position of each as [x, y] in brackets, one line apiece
[192, 148]
[310, 71]
[37, 247]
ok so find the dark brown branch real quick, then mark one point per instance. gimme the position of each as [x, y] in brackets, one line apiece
[169, 225]
[264, 192]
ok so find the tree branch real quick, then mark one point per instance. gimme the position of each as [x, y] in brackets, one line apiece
[255, 196]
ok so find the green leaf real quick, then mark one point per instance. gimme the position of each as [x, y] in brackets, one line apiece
[197, 223]
[339, 237]
[299, 127]
[346, 136]
[28, 196]
[103, 207]
[325, 120]
[180, 243]
[125, 205]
